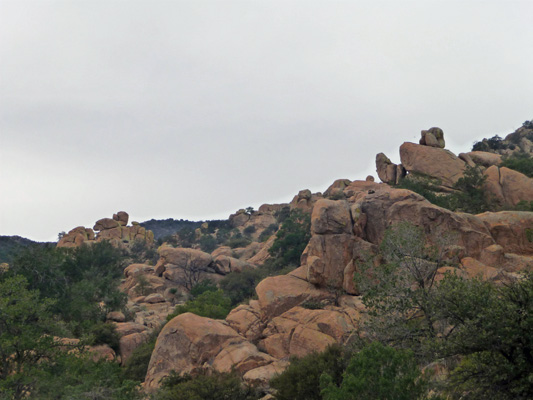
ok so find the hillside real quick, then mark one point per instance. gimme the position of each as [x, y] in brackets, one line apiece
[429, 270]
[11, 245]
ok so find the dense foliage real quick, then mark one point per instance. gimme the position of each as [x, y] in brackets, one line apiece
[216, 386]
[378, 372]
[83, 281]
[468, 195]
[520, 162]
[301, 380]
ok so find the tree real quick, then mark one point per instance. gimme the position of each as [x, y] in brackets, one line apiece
[26, 328]
[300, 381]
[216, 386]
[378, 372]
[399, 293]
[79, 280]
[292, 238]
[491, 332]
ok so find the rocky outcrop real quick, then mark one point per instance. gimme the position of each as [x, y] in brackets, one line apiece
[506, 186]
[432, 161]
[189, 343]
[114, 230]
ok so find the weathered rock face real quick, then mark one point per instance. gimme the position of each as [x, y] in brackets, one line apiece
[432, 161]
[512, 230]
[299, 331]
[507, 187]
[189, 343]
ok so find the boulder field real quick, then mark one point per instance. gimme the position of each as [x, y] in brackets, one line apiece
[257, 339]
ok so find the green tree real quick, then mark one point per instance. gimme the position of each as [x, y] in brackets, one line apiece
[292, 238]
[26, 336]
[300, 381]
[399, 293]
[378, 372]
[491, 331]
[217, 386]
[80, 280]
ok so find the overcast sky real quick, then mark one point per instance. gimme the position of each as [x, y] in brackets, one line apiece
[194, 109]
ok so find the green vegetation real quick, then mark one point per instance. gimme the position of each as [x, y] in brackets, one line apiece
[12, 245]
[240, 286]
[33, 363]
[483, 331]
[83, 281]
[211, 304]
[468, 195]
[217, 386]
[520, 162]
[378, 372]
[301, 380]
[291, 239]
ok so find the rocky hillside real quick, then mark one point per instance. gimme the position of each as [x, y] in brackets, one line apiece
[249, 293]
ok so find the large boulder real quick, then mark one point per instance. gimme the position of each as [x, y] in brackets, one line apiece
[507, 186]
[189, 343]
[300, 331]
[432, 161]
[386, 206]
[331, 216]
[326, 258]
[485, 159]
[278, 294]
[185, 258]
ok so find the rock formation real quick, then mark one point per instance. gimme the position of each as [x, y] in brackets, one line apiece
[259, 337]
[115, 230]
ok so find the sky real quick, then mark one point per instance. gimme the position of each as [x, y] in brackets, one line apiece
[195, 109]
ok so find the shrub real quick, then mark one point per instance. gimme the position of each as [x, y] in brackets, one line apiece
[217, 386]
[105, 333]
[301, 379]
[208, 304]
[520, 162]
[207, 285]
[207, 243]
[269, 231]
[240, 286]
[292, 238]
[237, 241]
[378, 372]
[249, 230]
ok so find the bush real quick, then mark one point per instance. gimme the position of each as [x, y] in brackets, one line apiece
[207, 285]
[520, 162]
[292, 238]
[136, 366]
[105, 333]
[301, 379]
[207, 243]
[218, 386]
[378, 372]
[238, 241]
[249, 230]
[269, 231]
[208, 304]
[240, 286]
